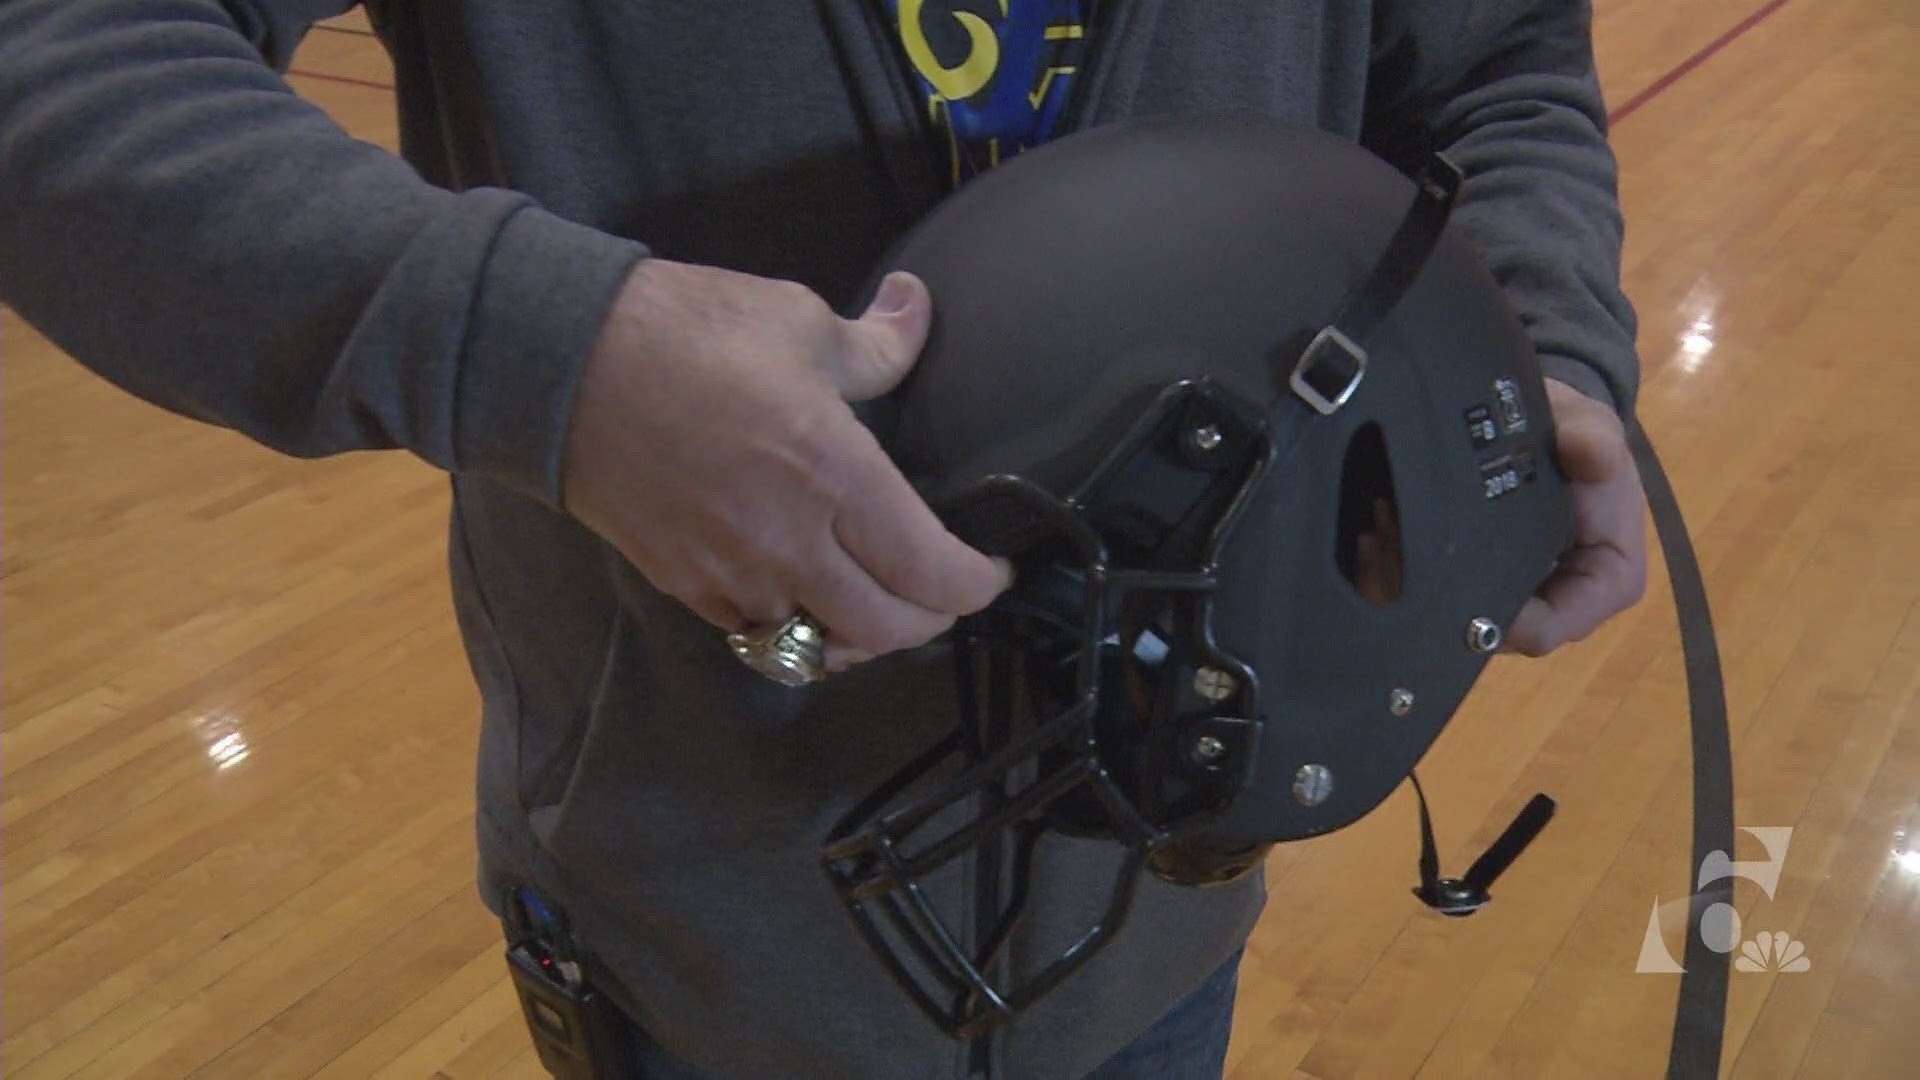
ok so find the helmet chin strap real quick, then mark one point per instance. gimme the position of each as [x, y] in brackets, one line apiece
[1330, 368]
[1466, 895]
[1699, 1021]
[1326, 374]
[1700, 1012]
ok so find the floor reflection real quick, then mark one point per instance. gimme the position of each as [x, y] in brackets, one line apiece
[224, 739]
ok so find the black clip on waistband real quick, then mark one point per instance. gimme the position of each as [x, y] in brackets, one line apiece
[531, 921]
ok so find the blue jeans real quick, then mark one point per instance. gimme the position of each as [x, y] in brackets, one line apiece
[1190, 1042]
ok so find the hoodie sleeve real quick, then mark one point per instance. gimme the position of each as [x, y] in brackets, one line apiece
[181, 222]
[1507, 89]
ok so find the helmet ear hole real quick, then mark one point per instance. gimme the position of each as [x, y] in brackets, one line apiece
[1368, 545]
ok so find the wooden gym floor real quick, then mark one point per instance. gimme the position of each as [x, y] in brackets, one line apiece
[239, 730]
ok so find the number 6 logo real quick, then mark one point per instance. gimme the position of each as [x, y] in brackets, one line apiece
[1720, 923]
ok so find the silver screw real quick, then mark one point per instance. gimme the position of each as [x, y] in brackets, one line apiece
[1207, 437]
[1208, 749]
[1400, 701]
[1312, 784]
[1212, 684]
[1483, 635]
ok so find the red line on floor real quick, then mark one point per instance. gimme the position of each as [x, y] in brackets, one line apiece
[1621, 112]
[348, 80]
[344, 30]
[1664, 82]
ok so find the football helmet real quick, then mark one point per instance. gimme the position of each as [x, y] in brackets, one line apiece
[1274, 463]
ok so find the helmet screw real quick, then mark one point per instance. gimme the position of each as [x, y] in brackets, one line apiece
[1206, 437]
[1312, 784]
[1483, 635]
[1208, 749]
[1212, 684]
[1400, 701]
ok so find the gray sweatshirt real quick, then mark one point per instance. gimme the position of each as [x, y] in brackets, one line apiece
[178, 220]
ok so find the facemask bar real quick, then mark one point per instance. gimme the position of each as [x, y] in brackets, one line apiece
[879, 870]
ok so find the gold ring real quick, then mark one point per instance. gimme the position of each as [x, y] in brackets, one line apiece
[793, 653]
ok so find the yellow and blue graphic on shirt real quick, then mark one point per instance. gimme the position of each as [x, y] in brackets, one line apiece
[996, 74]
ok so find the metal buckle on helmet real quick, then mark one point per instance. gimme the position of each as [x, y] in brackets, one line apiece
[1329, 371]
[1330, 368]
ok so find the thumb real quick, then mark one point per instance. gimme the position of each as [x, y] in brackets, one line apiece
[1591, 441]
[883, 343]
[1593, 449]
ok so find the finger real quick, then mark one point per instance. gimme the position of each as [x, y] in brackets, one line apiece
[721, 575]
[718, 612]
[692, 586]
[1536, 631]
[842, 657]
[860, 614]
[1593, 452]
[1368, 574]
[1592, 585]
[890, 531]
[1591, 443]
[881, 346]
[1385, 521]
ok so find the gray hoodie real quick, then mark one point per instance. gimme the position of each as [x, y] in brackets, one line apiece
[178, 220]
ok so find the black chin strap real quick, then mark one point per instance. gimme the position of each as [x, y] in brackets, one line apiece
[1468, 894]
[1330, 368]
[1378, 293]
[1325, 375]
[1700, 1014]
[1699, 1019]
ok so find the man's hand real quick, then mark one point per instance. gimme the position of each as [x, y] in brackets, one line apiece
[1605, 572]
[712, 443]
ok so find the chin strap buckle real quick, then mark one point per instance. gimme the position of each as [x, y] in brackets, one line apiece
[1465, 895]
[1329, 370]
